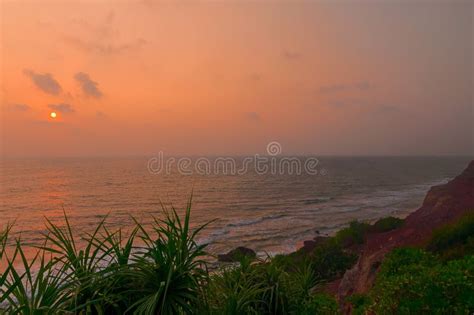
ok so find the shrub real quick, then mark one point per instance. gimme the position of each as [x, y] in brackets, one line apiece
[412, 281]
[399, 259]
[386, 224]
[266, 288]
[360, 303]
[330, 261]
[235, 290]
[454, 240]
[320, 304]
[353, 234]
[356, 232]
[287, 262]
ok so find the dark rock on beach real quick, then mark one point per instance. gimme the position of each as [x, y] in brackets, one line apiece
[309, 246]
[236, 254]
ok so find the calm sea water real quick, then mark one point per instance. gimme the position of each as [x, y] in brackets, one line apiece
[272, 213]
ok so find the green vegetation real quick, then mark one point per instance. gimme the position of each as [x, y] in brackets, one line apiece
[454, 240]
[4, 273]
[356, 232]
[437, 280]
[161, 269]
[328, 261]
[107, 273]
[386, 224]
[3, 239]
[158, 269]
[265, 288]
[413, 281]
[353, 234]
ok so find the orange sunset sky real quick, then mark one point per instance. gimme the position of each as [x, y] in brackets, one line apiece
[227, 77]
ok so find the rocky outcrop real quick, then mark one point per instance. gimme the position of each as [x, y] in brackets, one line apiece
[309, 246]
[236, 254]
[443, 204]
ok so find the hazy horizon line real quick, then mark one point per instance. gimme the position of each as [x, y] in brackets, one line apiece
[125, 156]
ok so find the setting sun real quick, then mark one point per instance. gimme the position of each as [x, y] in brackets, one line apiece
[53, 115]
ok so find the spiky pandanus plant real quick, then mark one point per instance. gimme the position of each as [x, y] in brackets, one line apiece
[235, 290]
[105, 272]
[4, 291]
[39, 286]
[83, 265]
[167, 271]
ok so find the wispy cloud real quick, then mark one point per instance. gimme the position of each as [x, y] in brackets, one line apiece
[102, 37]
[363, 85]
[347, 102]
[100, 30]
[44, 81]
[337, 103]
[253, 116]
[18, 107]
[100, 115]
[88, 86]
[62, 108]
[332, 88]
[340, 87]
[365, 106]
[104, 48]
[255, 77]
[291, 55]
[110, 17]
[386, 109]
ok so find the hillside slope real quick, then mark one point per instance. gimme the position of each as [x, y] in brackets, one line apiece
[443, 204]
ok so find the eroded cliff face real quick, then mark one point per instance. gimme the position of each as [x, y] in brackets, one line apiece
[443, 204]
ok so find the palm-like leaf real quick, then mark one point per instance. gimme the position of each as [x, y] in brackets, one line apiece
[81, 265]
[168, 270]
[47, 291]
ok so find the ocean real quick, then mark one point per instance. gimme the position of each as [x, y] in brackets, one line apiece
[270, 213]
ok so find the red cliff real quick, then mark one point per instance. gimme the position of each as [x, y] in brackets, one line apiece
[443, 204]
